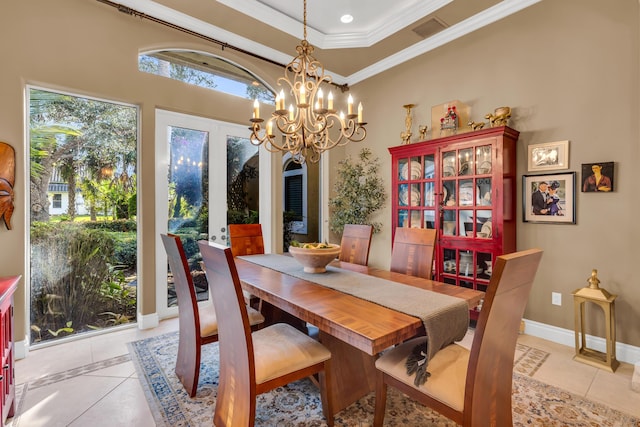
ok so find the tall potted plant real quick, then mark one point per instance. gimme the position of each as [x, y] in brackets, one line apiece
[359, 192]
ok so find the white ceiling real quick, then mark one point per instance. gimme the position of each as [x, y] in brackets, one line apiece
[373, 20]
[381, 35]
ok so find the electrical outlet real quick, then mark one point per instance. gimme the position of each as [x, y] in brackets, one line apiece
[556, 298]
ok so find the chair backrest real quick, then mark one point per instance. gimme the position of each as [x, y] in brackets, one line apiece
[412, 251]
[490, 369]
[246, 239]
[355, 243]
[183, 283]
[237, 384]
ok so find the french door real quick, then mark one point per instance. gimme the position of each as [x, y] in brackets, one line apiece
[197, 161]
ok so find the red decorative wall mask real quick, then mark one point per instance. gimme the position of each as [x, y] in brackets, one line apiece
[7, 180]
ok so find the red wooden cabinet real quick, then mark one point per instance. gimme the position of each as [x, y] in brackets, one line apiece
[7, 380]
[465, 186]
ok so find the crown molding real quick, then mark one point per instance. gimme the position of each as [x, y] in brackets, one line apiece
[481, 19]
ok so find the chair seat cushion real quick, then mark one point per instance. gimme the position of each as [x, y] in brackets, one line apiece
[209, 321]
[284, 349]
[448, 369]
[255, 316]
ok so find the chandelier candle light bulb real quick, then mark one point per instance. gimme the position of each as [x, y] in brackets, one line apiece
[256, 109]
[303, 97]
[309, 129]
[280, 101]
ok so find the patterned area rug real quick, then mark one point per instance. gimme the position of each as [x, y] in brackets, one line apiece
[298, 404]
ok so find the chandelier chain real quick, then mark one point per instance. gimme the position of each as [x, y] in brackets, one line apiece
[304, 20]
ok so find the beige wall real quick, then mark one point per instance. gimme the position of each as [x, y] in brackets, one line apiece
[569, 69]
[87, 48]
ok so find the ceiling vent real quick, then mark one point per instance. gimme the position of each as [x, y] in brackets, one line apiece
[430, 27]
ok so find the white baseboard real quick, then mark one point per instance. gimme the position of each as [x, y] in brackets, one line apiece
[148, 321]
[624, 352]
[21, 348]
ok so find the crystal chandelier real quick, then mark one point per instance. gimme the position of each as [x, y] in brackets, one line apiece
[310, 125]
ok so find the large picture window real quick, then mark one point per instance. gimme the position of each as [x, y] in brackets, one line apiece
[82, 214]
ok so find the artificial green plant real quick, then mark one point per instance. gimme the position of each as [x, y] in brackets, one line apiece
[359, 192]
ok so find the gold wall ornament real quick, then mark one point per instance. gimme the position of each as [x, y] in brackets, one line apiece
[500, 117]
[310, 125]
[606, 301]
[406, 134]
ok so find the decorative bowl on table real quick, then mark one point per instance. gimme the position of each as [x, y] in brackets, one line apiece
[314, 257]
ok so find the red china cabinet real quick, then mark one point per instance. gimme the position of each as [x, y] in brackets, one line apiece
[465, 186]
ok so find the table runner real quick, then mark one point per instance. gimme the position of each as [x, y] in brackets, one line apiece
[445, 318]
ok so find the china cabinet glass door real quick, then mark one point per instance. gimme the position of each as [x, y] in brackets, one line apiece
[466, 210]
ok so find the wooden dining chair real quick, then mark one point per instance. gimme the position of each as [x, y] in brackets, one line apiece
[356, 243]
[254, 363]
[197, 325]
[412, 251]
[471, 387]
[246, 239]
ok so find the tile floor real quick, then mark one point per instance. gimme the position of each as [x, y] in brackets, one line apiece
[91, 382]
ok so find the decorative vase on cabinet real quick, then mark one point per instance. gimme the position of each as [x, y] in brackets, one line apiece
[465, 186]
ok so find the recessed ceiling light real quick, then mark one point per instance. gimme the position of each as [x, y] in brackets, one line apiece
[345, 19]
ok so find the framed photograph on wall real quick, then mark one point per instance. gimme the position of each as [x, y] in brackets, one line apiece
[548, 156]
[597, 177]
[549, 198]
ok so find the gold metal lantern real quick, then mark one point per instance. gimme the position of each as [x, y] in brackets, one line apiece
[603, 299]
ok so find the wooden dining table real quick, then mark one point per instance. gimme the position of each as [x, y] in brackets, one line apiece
[355, 330]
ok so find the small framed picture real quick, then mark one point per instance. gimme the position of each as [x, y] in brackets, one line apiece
[548, 156]
[597, 177]
[549, 198]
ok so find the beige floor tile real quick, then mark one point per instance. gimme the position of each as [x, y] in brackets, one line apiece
[562, 371]
[60, 403]
[614, 390]
[124, 406]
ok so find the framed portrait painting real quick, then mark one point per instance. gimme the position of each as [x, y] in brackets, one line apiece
[549, 198]
[548, 156]
[597, 177]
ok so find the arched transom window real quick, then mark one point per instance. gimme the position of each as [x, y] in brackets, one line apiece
[205, 70]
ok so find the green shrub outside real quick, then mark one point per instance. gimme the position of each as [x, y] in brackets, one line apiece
[126, 250]
[133, 205]
[75, 284]
[117, 225]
